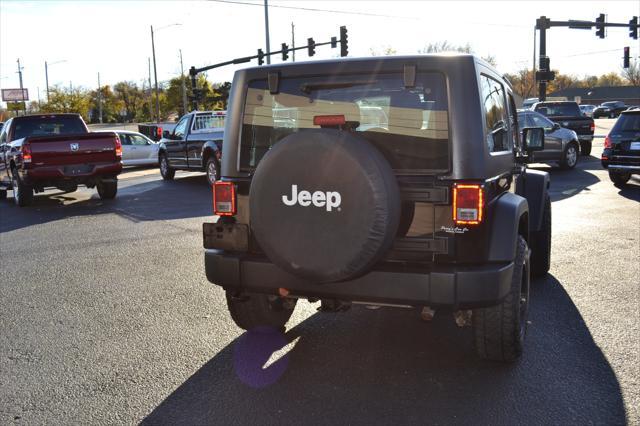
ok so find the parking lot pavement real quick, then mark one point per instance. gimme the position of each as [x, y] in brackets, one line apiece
[106, 317]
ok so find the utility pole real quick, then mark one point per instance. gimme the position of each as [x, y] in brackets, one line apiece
[46, 77]
[155, 76]
[24, 105]
[150, 92]
[99, 99]
[293, 41]
[266, 28]
[184, 86]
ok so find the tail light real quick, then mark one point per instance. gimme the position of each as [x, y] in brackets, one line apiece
[468, 204]
[607, 142]
[224, 198]
[26, 153]
[593, 126]
[118, 146]
[159, 132]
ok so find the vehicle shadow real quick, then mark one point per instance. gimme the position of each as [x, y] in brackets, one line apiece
[567, 183]
[632, 189]
[388, 367]
[185, 197]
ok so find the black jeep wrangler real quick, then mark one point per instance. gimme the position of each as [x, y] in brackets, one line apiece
[391, 181]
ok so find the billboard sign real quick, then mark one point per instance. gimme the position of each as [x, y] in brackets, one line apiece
[15, 95]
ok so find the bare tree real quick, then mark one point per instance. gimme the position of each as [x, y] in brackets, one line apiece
[632, 74]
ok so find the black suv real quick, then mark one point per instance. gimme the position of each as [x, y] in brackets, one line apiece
[390, 181]
[609, 109]
[621, 154]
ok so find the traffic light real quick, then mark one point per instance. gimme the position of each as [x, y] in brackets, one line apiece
[633, 28]
[344, 43]
[600, 26]
[285, 51]
[260, 57]
[311, 45]
[625, 61]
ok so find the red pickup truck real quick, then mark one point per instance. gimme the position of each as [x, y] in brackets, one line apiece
[56, 150]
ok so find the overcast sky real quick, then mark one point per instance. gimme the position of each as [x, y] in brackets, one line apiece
[113, 38]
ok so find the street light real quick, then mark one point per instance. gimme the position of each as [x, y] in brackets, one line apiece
[155, 73]
[46, 74]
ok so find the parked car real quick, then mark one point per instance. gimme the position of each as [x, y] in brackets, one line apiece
[529, 102]
[56, 150]
[609, 109]
[587, 110]
[437, 208]
[194, 144]
[560, 145]
[568, 115]
[621, 154]
[137, 149]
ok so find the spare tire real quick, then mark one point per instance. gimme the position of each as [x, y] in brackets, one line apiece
[325, 205]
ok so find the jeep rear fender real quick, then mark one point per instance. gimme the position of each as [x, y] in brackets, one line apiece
[534, 186]
[509, 219]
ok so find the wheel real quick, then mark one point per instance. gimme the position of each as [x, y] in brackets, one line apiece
[166, 171]
[251, 311]
[212, 170]
[3, 194]
[569, 156]
[541, 243]
[619, 179]
[585, 148]
[107, 189]
[612, 115]
[22, 193]
[499, 331]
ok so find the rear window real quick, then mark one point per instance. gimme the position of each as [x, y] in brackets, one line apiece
[408, 125]
[551, 110]
[48, 126]
[208, 121]
[627, 123]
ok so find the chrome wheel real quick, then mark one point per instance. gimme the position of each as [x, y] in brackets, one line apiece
[212, 172]
[163, 165]
[16, 188]
[572, 156]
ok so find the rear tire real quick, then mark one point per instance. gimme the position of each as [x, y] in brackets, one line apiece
[166, 171]
[569, 156]
[499, 331]
[585, 148]
[107, 190]
[541, 243]
[619, 179]
[22, 193]
[252, 311]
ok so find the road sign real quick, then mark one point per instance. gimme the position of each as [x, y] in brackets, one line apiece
[14, 95]
[15, 106]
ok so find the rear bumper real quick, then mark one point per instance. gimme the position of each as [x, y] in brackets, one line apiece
[67, 172]
[585, 138]
[621, 163]
[457, 286]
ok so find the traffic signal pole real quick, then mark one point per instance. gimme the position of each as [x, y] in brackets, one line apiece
[544, 74]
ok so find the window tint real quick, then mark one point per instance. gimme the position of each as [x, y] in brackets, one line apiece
[541, 121]
[181, 128]
[208, 121]
[48, 126]
[137, 140]
[495, 115]
[409, 126]
[124, 139]
[560, 109]
[627, 123]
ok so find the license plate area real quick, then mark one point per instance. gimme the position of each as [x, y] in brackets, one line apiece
[78, 169]
[229, 237]
[634, 146]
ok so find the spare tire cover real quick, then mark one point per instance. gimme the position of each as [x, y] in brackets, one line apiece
[325, 205]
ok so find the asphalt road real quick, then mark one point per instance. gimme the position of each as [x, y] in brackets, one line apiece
[106, 317]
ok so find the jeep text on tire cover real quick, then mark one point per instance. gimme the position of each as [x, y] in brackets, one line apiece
[330, 200]
[394, 180]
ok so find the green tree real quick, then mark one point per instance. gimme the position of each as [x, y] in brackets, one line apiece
[131, 98]
[74, 100]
